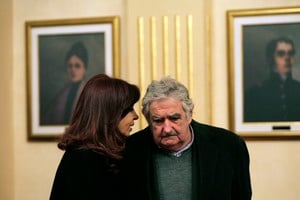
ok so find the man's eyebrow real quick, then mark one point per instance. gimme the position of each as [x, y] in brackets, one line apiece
[175, 115]
[156, 117]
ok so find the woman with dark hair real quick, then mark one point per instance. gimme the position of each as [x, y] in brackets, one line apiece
[94, 141]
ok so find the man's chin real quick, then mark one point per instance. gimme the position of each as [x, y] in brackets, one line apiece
[171, 143]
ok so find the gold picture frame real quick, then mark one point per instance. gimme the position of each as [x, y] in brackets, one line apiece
[50, 46]
[253, 38]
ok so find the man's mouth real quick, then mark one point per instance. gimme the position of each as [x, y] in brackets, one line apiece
[169, 134]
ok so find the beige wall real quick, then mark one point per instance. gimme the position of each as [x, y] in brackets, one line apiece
[6, 133]
[27, 168]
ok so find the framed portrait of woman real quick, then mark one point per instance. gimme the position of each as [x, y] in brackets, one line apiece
[61, 56]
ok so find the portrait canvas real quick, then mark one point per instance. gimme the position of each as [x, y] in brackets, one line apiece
[62, 55]
[54, 76]
[264, 71]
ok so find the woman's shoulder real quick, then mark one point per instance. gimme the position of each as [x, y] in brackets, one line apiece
[82, 157]
[83, 174]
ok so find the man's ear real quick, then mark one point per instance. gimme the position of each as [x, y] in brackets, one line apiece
[190, 116]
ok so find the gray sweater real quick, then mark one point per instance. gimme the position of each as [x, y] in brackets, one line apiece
[173, 175]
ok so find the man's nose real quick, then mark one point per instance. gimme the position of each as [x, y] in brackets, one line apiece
[167, 126]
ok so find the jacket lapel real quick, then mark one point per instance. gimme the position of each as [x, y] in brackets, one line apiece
[149, 166]
[205, 158]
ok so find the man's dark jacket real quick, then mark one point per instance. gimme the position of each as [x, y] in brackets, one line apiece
[220, 163]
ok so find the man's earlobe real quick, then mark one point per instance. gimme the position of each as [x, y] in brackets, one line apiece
[191, 117]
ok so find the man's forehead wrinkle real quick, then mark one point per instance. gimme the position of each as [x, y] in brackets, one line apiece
[169, 115]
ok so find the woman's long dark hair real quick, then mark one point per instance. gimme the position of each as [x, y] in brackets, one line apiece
[94, 123]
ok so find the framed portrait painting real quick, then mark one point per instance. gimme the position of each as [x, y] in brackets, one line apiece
[263, 47]
[61, 56]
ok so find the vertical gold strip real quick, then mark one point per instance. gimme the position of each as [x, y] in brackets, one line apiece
[165, 43]
[230, 63]
[141, 51]
[116, 46]
[177, 47]
[190, 62]
[208, 63]
[153, 47]
[141, 61]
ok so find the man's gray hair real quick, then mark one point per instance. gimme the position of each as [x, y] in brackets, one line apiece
[165, 88]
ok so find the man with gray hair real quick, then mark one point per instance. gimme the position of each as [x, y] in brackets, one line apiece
[177, 158]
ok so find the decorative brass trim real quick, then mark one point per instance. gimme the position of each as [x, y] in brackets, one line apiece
[165, 42]
[177, 47]
[190, 58]
[116, 46]
[141, 61]
[153, 47]
[164, 49]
